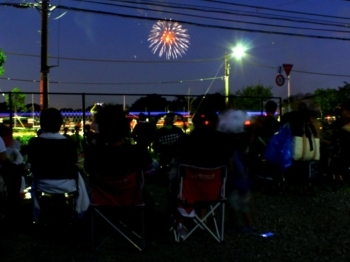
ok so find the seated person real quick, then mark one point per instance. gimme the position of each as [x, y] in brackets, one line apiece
[113, 156]
[11, 175]
[53, 159]
[12, 145]
[166, 141]
[202, 147]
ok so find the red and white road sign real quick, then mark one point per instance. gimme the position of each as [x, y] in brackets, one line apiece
[279, 80]
[287, 68]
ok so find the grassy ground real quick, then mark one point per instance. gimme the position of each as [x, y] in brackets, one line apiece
[306, 229]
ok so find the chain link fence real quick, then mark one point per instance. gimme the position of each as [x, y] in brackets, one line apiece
[75, 107]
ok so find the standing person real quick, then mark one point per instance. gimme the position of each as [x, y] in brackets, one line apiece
[65, 132]
[340, 143]
[143, 132]
[264, 128]
[235, 140]
[78, 140]
[300, 124]
[94, 110]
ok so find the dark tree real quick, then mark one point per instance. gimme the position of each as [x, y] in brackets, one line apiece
[152, 102]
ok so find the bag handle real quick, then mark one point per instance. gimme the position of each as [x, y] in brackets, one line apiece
[311, 141]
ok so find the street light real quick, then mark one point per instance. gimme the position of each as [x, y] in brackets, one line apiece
[238, 52]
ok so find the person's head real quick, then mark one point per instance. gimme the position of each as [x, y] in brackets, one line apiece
[169, 119]
[112, 123]
[6, 134]
[65, 130]
[345, 111]
[39, 131]
[94, 110]
[270, 107]
[207, 120]
[87, 128]
[50, 120]
[142, 117]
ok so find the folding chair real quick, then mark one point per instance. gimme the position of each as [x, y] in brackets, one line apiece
[201, 187]
[117, 200]
[55, 186]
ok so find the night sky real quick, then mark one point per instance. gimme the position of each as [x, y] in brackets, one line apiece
[96, 52]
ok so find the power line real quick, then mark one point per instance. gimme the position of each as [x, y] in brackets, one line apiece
[279, 10]
[239, 21]
[205, 25]
[222, 11]
[301, 71]
[169, 82]
[119, 61]
[117, 83]
[175, 61]
[195, 23]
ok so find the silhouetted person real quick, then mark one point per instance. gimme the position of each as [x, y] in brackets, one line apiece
[166, 141]
[65, 130]
[53, 159]
[77, 139]
[143, 132]
[113, 156]
[12, 176]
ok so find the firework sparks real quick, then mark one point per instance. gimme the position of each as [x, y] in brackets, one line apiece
[170, 38]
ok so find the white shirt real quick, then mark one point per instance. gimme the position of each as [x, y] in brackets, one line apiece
[62, 186]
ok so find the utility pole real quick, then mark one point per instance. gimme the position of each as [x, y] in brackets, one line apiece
[44, 69]
[227, 83]
[45, 8]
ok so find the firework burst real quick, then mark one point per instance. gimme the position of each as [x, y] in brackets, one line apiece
[169, 38]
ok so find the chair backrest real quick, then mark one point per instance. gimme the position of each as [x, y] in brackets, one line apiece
[200, 184]
[118, 190]
[52, 158]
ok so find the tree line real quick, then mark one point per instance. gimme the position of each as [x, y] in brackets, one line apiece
[324, 101]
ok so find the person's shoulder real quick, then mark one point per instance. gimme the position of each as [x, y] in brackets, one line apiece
[33, 140]
[178, 129]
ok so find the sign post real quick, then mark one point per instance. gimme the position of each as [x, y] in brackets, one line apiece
[279, 80]
[287, 69]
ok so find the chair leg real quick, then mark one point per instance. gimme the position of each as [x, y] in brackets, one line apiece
[143, 229]
[222, 222]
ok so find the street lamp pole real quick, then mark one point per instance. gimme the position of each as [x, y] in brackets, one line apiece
[227, 83]
[44, 69]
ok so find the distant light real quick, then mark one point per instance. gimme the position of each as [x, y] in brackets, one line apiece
[239, 51]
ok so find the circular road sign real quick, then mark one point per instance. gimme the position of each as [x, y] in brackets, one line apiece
[280, 80]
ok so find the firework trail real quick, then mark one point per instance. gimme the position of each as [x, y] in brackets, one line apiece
[170, 38]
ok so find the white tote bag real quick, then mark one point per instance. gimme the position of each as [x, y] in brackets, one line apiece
[302, 148]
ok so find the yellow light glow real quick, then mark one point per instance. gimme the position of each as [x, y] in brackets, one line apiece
[168, 38]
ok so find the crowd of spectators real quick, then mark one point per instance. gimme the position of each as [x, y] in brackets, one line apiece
[111, 149]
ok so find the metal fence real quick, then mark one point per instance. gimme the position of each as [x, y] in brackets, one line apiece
[75, 107]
